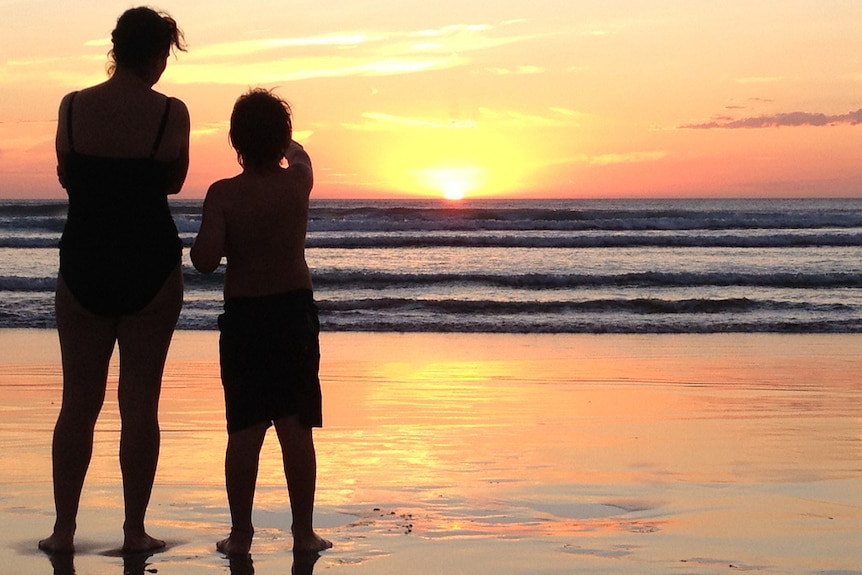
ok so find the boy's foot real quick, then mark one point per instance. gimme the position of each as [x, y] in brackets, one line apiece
[303, 562]
[312, 542]
[141, 543]
[238, 543]
[57, 544]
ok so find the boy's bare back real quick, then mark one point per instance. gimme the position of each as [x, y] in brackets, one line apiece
[258, 220]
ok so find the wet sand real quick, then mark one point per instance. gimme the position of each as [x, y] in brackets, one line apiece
[480, 454]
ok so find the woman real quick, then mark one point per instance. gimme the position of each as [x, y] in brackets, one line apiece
[122, 149]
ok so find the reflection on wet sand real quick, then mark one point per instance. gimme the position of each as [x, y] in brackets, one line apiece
[598, 453]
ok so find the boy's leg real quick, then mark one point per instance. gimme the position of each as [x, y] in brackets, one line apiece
[143, 339]
[241, 464]
[300, 470]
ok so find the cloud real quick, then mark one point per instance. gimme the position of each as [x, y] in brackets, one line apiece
[417, 122]
[610, 159]
[99, 42]
[450, 30]
[557, 117]
[342, 54]
[302, 68]
[84, 70]
[760, 80]
[273, 60]
[381, 121]
[791, 119]
[626, 158]
[210, 129]
[567, 112]
[452, 38]
[428, 46]
[517, 70]
[245, 48]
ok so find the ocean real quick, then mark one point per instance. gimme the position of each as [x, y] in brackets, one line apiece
[524, 266]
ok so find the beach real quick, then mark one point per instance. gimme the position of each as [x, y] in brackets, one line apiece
[472, 453]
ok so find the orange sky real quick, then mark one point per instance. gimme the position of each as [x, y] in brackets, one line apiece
[610, 98]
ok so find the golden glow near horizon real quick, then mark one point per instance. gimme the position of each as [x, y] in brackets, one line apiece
[453, 183]
[465, 100]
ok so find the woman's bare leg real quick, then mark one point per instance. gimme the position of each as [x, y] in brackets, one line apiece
[240, 465]
[86, 345]
[143, 339]
[300, 470]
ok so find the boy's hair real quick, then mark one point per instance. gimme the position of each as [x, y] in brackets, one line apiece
[260, 129]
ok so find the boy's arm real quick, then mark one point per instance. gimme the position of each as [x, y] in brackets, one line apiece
[299, 162]
[208, 249]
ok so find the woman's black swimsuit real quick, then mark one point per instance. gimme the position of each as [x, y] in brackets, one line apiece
[120, 243]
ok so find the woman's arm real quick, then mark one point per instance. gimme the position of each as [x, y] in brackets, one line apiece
[61, 141]
[182, 128]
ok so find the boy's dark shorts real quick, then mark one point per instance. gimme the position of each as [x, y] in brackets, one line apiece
[270, 356]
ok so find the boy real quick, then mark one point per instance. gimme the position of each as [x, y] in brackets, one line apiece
[268, 346]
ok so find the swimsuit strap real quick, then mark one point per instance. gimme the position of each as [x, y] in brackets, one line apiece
[69, 121]
[158, 141]
[161, 128]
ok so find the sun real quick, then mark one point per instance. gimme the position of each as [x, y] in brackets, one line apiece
[453, 183]
[454, 191]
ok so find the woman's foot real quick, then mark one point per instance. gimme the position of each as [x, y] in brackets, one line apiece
[56, 544]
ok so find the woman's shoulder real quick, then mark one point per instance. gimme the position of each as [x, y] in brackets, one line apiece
[179, 117]
[176, 109]
[175, 103]
[67, 101]
[177, 126]
[95, 92]
[70, 96]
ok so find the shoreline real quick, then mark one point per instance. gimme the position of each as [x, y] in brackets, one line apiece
[10, 335]
[499, 453]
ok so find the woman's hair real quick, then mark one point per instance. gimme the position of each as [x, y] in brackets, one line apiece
[141, 35]
[260, 129]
